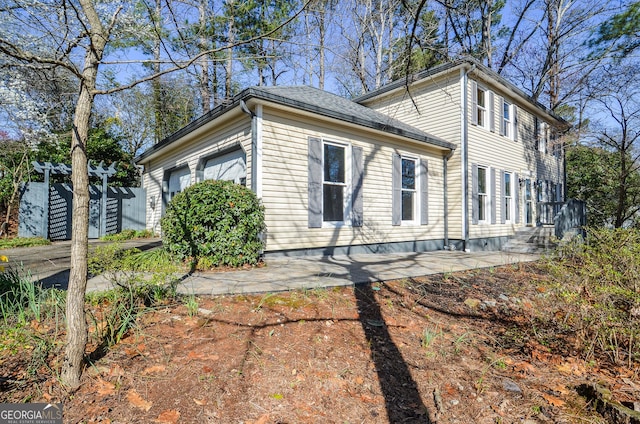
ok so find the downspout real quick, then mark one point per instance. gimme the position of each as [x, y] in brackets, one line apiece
[465, 154]
[445, 161]
[256, 158]
[256, 147]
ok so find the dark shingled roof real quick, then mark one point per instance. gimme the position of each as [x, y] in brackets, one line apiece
[313, 100]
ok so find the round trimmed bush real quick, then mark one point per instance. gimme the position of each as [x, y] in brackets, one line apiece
[214, 222]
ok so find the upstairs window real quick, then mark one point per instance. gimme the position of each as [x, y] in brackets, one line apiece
[481, 107]
[543, 136]
[482, 110]
[507, 122]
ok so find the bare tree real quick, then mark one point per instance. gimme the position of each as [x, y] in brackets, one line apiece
[616, 98]
[77, 35]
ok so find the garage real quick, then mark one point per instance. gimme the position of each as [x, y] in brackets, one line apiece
[178, 181]
[230, 166]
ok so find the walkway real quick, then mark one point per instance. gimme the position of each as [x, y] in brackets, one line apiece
[311, 272]
[50, 264]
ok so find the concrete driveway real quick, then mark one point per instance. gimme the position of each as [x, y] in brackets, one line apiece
[50, 265]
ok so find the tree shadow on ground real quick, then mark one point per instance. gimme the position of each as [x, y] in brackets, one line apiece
[402, 397]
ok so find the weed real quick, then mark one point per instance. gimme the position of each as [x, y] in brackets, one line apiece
[459, 341]
[428, 336]
[112, 321]
[192, 306]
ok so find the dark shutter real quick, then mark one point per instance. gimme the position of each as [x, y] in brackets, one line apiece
[424, 192]
[492, 184]
[474, 103]
[474, 194]
[516, 195]
[315, 182]
[515, 123]
[492, 113]
[536, 133]
[502, 128]
[165, 192]
[396, 197]
[503, 211]
[357, 179]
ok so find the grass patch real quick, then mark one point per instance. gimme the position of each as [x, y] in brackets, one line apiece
[112, 258]
[128, 235]
[10, 243]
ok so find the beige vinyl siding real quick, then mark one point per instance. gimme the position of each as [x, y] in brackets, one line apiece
[490, 149]
[438, 108]
[231, 134]
[438, 112]
[285, 186]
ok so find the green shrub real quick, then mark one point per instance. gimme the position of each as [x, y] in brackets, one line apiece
[217, 221]
[598, 281]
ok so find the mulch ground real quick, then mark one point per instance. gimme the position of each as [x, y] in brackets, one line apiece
[470, 347]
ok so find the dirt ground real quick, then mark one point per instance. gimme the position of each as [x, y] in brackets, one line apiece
[455, 348]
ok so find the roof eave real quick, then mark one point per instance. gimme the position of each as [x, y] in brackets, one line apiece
[351, 119]
[255, 93]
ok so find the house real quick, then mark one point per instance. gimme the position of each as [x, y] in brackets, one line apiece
[454, 158]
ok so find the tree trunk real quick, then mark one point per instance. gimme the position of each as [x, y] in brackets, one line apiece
[486, 8]
[75, 309]
[155, 83]
[205, 93]
[229, 62]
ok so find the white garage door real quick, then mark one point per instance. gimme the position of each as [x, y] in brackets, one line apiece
[229, 167]
[178, 181]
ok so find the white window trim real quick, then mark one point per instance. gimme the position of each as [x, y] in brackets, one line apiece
[348, 201]
[487, 196]
[512, 208]
[543, 136]
[416, 192]
[485, 108]
[508, 123]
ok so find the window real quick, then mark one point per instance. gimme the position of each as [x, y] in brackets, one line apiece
[481, 106]
[408, 189]
[508, 197]
[543, 131]
[482, 194]
[556, 145]
[179, 180]
[334, 183]
[507, 122]
[410, 186]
